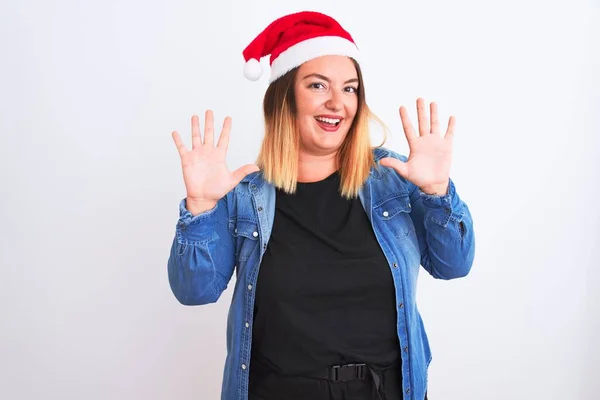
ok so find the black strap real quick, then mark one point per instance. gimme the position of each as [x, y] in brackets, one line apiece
[347, 372]
[350, 372]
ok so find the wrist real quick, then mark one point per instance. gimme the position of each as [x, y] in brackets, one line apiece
[197, 206]
[435, 190]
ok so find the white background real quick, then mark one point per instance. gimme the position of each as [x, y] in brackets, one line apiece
[91, 181]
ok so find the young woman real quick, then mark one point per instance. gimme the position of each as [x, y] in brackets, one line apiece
[326, 233]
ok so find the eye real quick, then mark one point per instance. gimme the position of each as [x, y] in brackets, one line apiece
[316, 85]
[351, 89]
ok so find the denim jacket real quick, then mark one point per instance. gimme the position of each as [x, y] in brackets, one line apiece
[413, 229]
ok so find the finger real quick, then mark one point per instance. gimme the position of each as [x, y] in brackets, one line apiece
[196, 138]
[422, 116]
[409, 131]
[241, 172]
[396, 164]
[450, 131]
[435, 123]
[179, 143]
[209, 128]
[224, 136]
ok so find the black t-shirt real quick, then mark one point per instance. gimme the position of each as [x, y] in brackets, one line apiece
[325, 294]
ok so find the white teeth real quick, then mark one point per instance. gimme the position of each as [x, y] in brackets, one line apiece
[328, 120]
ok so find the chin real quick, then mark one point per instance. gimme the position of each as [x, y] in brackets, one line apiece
[320, 141]
[329, 144]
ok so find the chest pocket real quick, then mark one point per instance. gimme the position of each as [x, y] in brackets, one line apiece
[394, 213]
[246, 234]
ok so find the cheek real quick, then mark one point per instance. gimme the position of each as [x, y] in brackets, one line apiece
[305, 103]
[352, 108]
[303, 126]
[307, 107]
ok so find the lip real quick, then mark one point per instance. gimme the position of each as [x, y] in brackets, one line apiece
[332, 116]
[328, 128]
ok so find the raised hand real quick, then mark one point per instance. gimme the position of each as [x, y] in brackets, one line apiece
[206, 176]
[428, 164]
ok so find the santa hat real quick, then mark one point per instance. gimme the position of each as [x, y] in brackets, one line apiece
[294, 39]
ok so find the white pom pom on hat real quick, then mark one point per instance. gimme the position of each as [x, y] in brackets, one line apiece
[294, 39]
[253, 70]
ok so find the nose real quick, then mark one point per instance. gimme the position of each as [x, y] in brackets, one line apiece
[334, 103]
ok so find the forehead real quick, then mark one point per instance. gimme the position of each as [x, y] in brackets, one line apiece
[333, 67]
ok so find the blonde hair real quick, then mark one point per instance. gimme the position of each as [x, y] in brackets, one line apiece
[279, 153]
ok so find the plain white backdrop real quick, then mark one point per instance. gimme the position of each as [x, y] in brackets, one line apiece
[91, 181]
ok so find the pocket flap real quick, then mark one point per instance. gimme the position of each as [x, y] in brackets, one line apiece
[391, 206]
[244, 227]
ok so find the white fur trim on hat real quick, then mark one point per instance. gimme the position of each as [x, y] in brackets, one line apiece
[306, 50]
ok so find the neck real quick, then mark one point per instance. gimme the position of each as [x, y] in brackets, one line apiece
[314, 168]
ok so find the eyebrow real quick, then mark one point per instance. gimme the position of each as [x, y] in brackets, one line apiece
[323, 77]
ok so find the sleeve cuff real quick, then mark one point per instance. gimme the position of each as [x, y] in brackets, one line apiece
[192, 228]
[444, 207]
[187, 218]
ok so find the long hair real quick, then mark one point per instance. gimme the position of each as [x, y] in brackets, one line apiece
[279, 153]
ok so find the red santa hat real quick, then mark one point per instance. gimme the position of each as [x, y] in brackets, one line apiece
[294, 39]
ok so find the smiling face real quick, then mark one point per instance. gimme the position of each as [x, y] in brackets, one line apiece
[326, 97]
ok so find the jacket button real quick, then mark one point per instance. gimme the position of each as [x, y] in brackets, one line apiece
[249, 287]
[386, 214]
[407, 390]
[395, 265]
[406, 349]
[260, 209]
[401, 305]
[247, 325]
[255, 234]
[243, 366]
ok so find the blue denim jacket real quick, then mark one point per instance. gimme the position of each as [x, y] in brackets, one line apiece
[412, 228]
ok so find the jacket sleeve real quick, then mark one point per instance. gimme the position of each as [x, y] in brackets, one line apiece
[444, 229]
[202, 257]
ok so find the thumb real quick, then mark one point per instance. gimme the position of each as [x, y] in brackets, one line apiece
[396, 164]
[242, 171]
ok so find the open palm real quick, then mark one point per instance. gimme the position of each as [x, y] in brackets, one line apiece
[428, 164]
[205, 173]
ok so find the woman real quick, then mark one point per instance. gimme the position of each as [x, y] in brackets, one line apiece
[337, 228]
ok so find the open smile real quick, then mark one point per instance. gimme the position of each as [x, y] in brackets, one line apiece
[329, 124]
